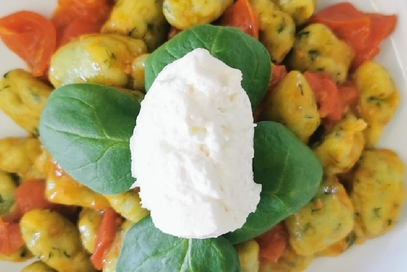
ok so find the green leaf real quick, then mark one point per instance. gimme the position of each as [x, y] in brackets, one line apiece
[229, 44]
[146, 248]
[289, 173]
[87, 129]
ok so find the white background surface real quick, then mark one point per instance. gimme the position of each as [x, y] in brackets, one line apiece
[384, 254]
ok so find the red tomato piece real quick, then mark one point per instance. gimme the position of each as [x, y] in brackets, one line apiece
[105, 236]
[31, 195]
[326, 95]
[381, 26]
[10, 238]
[31, 36]
[273, 243]
[362, 31]
[76, 28]
[346, 22]
[241, 15]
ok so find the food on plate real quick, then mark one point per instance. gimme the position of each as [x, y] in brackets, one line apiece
[299, 10]
[183, 15]
[32, 37]
[54, 240]
[23, 96]
[276, 29]
[103, 59]
[339, 150]
[377, 170]
[267, 112]
[18, 155]
[301, 114]
[196, 126]
[324, 220]
[309, 54]
[378, 98]
[149, 24]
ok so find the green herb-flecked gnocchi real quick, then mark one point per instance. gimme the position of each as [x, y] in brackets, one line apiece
[378, 191]
[128, 204]
[88, 225]
[326, 219]
[18, 155]
[103, 59]
[185, 14]
[292, 103]
[341, 148]
[378, 98]
[141, 19]
[276, 29]
[22, 97]
[54, 240]
[317, 49]
[299, 10]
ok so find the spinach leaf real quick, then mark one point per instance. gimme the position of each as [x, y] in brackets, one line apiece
[289, 173]
[229, 44]
[146, 248]
[87, 129]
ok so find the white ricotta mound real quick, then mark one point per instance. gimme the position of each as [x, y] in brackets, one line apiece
[192, 149]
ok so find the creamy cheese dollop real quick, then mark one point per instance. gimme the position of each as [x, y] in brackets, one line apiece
[192, 149]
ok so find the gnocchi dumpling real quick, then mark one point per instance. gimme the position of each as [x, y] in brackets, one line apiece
[317, 49]
[141, 19]
[128, 204]
[96, 58]
[276, 29]
[378, 192]
[54, 240]
[299, 10]
[248, 253]
[22, 97]
[326, 219]
[378, 98]
[341, 148]
[292, 103]
[185, 14]
[88, 225]
[18, 155]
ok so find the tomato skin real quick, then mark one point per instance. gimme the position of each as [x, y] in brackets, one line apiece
[241, 15]
[31, 195]
[10, 237]
[76, 28]
[273, 243]
[32, 37]
[96, 11]
[105, 236]
[349, 95]
[362, 31]
[381, 26]
[326, 94]
[73, 18]
[346, 22]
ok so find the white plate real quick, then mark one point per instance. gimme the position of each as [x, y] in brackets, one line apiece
[386, 253]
